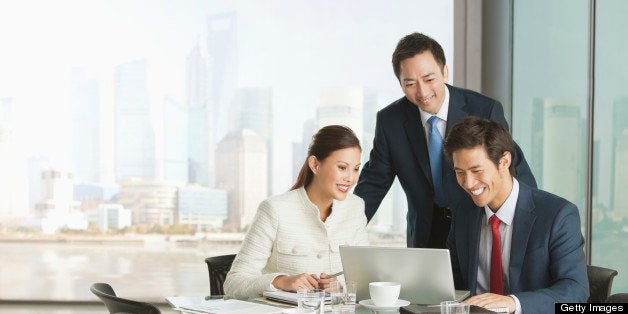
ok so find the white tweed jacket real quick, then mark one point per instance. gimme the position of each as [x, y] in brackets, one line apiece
[287, 237]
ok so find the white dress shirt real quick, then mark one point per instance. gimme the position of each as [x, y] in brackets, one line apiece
[442, 117]
[506, 213]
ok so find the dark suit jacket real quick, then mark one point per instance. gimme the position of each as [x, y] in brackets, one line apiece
[400, 149]
[547, 263]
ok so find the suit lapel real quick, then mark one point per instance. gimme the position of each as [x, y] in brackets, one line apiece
[456, 110]
[416, 137]
[522, 226]
[454, 114]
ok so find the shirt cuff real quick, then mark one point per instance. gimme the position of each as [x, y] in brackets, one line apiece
[518, 309]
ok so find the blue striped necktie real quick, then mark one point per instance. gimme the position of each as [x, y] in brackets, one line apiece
[435, 150]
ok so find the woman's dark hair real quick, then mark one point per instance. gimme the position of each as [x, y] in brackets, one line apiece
[326, 141]
[413, 44]
[472, 132]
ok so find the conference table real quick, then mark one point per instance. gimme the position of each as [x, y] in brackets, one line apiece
[261, 302]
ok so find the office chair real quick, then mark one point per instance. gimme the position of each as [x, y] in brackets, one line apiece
[218, 267]
[618, 298]
[119, 305]
[600, 283]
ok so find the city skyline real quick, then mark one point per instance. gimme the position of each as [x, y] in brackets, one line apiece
[141, 31]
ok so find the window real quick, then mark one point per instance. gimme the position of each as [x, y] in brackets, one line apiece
[610, 142]
[140, 108]
[551, 113]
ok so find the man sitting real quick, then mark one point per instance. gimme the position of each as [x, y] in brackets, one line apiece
[517, 247]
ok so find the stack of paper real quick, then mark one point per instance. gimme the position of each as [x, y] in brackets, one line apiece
[287, 297]
[281, 296]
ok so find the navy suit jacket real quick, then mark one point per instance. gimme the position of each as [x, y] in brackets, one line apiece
[400, 149]
[547, 263]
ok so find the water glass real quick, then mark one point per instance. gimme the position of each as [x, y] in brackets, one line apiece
[337, 293]
[343, 296]
[453, 307]
[351, 288]
[311, 300]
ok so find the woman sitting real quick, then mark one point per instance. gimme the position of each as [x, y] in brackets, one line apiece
[295, 236]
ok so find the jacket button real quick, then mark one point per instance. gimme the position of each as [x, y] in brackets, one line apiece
[320, 255]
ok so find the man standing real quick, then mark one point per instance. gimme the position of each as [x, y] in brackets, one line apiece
[409, 136]
[520, 247]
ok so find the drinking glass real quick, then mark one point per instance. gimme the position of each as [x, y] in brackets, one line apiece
[337, 294]
[311, 300]
[350, 299]
[453, 307]
[343, 296]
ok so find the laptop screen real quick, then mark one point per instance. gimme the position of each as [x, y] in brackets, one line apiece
[425, 274]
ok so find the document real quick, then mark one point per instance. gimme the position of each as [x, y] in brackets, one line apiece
[219, 306]
[281, 296]
[287, 297]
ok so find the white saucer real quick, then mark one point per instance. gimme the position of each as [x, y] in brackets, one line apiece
[369, 304]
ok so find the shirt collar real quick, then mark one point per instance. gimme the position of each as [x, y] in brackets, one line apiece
[441, 114]
[506, 213]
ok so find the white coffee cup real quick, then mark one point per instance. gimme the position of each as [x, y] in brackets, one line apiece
[384, 293]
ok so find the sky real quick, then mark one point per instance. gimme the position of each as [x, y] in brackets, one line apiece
[296, 47]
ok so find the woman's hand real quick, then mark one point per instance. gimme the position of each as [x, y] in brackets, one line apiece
[296, 282]
[323, 282]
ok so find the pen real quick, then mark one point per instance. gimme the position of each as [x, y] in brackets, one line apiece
[334, 275]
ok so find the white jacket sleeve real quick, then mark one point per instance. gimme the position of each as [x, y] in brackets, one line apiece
[245, 279]
[361, 236]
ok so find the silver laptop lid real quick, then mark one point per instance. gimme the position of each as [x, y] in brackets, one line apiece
[425, 274]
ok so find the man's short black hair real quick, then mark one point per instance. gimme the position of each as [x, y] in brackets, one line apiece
[473, 131]
[413, 44]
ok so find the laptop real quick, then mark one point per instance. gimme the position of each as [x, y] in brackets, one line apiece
[425, 274]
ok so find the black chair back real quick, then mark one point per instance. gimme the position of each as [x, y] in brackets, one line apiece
[600, 283]
[218, 267]
[119, 305]
[618, 298]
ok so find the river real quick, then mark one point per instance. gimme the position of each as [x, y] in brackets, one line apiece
[148, 270]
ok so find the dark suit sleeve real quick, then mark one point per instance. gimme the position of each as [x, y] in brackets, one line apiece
[522, 169]
[377, 174]
[453, 253]
[567, 266]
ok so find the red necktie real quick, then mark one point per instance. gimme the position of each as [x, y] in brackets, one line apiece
[496, 258]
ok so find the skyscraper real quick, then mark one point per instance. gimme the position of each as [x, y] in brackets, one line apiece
[620, 200]
[175, 153]
[241, 160]
[85, 113]
[558, 140]
[201, 122]
[223, 49]
[372, 101]
[619, 159]
[343, 106]
[253, 109]
[134, 131]
[299, 149]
